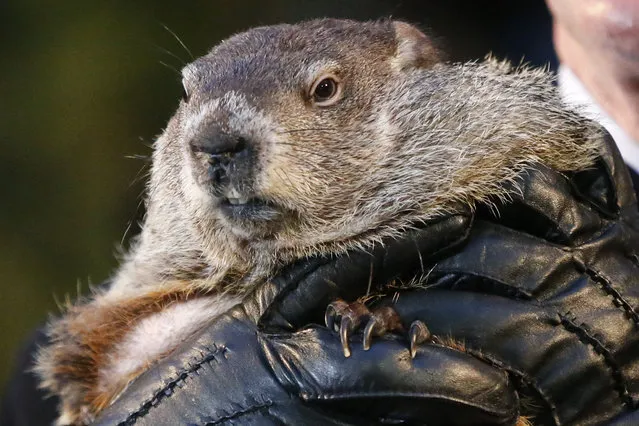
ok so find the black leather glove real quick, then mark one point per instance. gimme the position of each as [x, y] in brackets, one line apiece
[236, 373]
[548, 290]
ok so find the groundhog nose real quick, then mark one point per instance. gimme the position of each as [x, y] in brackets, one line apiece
[227, 158]
[217, 143]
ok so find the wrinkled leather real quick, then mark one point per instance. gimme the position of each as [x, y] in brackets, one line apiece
[548, 290]
[236, 373]
[558, 309]
[555, 309]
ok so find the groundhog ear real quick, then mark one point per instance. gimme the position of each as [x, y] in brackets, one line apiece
[414, 48]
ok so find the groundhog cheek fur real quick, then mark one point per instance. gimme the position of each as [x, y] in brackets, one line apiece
[411, 138]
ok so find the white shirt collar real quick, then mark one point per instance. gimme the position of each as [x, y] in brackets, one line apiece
[574, 93]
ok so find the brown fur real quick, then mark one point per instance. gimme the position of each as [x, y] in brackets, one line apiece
[89, 335]
[410, 139]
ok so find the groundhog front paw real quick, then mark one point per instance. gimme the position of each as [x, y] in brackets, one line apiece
[346, 318]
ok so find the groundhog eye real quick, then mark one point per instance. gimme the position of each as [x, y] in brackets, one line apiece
[326, 91]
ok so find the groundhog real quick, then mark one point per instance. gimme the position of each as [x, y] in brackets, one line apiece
[299, 140]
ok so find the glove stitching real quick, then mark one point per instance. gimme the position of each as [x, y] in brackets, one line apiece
[568, 321]
[167, 390]
[618, 299]
[240, 413]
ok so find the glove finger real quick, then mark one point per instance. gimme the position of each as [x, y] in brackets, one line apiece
[618, 189]
[439, 386]
[568, 208]
[510, 263]
[545, 205]
[507, 262]
[546, 350]
[300, 294]
[600, 297]
[218, 377]
[290, 413]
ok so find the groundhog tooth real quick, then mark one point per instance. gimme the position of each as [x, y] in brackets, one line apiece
[234, 193]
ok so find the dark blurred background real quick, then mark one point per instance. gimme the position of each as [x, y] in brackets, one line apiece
[86, 86]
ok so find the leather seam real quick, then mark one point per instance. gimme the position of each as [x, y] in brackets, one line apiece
[618, 300]
[239, 413]
[505, 289]
[167, 390]
[568, 321]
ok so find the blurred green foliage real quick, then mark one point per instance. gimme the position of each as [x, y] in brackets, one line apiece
[82, 86]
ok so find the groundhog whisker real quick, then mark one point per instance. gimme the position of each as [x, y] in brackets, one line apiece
[342, 132]
[306, 160]
[171, 54]
[170, 67]
[179, 40]
[292, 187]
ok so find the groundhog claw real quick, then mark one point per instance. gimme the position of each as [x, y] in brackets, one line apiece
[418, 333]
[372, 327]
[333, 311]
[345, 329]
[382, 320]
[349, 317]
[345, 318]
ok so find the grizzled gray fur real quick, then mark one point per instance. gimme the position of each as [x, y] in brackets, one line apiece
[306, 139]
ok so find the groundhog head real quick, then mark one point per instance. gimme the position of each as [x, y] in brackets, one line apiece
[318, 137]
[284, 131]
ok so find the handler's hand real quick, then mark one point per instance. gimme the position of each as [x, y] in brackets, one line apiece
[236, 373]
[549, 292]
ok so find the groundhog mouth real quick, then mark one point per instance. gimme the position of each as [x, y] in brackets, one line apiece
[249, 209]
